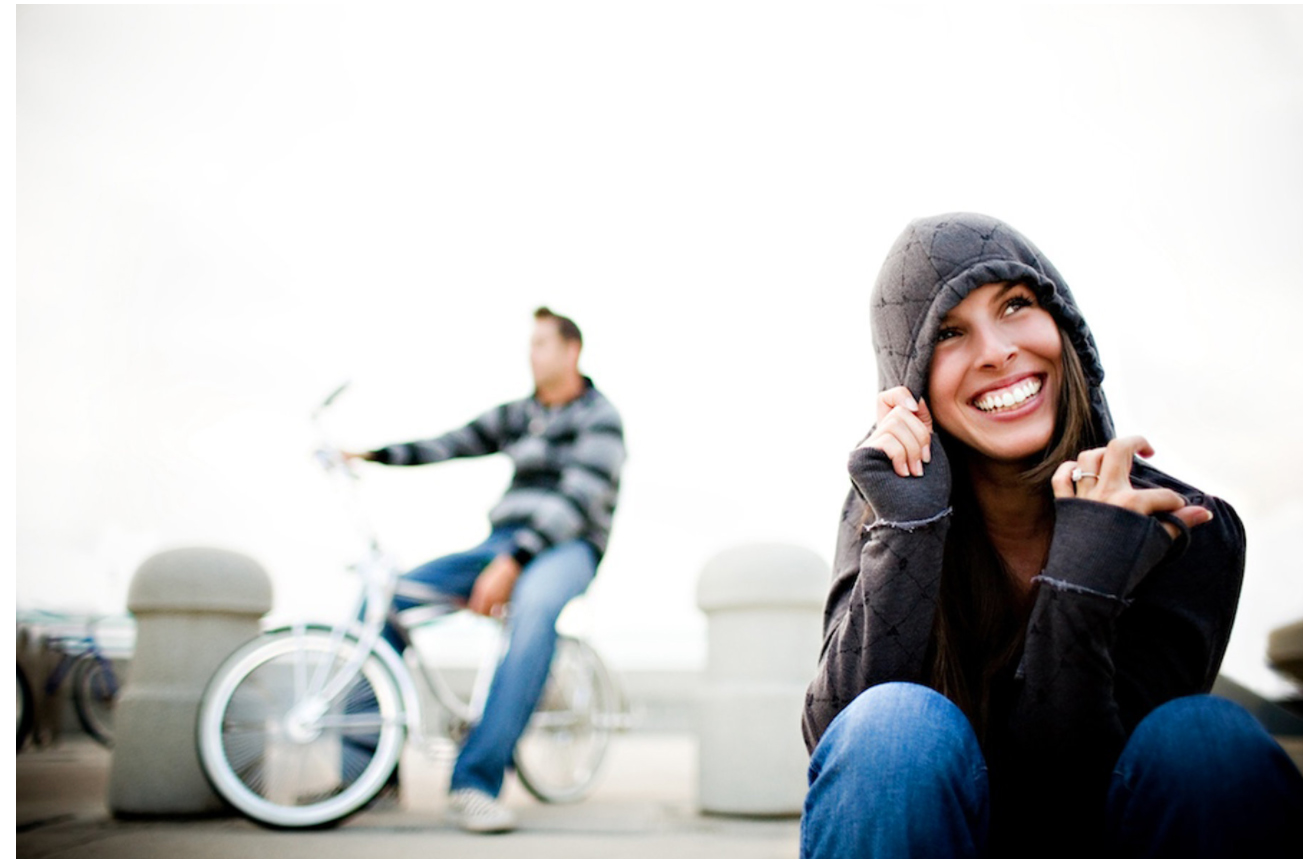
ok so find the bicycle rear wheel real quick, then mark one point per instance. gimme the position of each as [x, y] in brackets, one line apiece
[94, 692]
[560, 755]
[277, 750]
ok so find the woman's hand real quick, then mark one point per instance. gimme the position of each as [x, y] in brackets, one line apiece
[1104, 475]
[903, 431]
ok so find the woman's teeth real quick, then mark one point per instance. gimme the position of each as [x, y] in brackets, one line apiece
[1009, 397]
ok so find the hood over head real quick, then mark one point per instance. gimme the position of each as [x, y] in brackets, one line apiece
[934, 265]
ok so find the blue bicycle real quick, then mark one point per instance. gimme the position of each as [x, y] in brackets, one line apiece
[95, 686]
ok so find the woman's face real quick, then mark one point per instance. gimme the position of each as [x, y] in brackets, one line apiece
[996, 373]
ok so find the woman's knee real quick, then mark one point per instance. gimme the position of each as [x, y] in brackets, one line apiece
[1196, 738]
[1202, 771]
[1205, 751]
[899, 725]
[899, 768]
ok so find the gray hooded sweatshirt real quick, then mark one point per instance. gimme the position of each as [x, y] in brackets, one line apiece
[1123, 618]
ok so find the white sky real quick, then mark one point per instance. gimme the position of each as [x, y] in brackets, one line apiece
[224, 211]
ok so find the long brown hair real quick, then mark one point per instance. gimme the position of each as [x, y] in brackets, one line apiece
[981, 614]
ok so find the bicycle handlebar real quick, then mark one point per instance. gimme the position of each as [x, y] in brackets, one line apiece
[325, 404]
[332, 459]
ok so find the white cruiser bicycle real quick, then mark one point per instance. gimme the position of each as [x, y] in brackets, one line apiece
[303, 726]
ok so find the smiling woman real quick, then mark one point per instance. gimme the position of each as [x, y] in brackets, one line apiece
[1024, 619]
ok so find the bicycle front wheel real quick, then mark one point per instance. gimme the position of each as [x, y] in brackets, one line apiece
[561, 752]
[94, 692]
[280, 751]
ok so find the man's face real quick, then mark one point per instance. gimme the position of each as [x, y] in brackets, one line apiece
[551, 357]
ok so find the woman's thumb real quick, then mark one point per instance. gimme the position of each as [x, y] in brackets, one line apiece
[925, 414]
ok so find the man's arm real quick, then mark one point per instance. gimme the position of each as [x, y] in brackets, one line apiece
[485, 435]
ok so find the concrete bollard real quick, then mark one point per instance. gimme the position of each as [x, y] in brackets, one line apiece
[764, 605]
[193, 607]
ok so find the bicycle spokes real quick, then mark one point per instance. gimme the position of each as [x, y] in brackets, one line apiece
[283, 747]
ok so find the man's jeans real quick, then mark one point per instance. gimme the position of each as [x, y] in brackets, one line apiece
[899, 773]
[550, 581]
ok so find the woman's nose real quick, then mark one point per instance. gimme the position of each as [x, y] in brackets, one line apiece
[994, 349]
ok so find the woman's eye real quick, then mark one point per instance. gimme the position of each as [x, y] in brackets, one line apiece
[947, 333]
[1018, 302]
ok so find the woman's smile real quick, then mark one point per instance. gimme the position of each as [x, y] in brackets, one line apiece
[1004, 398]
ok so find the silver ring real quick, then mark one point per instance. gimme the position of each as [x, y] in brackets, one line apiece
[1078, 474]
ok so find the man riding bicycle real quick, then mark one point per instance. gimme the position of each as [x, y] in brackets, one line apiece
[549, 532]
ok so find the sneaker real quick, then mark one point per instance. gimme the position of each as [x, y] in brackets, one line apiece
[476, 811]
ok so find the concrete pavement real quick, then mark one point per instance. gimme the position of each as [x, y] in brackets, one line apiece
[644, 806]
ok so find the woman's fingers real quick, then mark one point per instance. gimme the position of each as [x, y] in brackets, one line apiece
[1105, 471]
[1061, 482]
[1115, 467]
[915, 435]
[903, 431]
[925, 418]
[1087, 470]
[1112, 485]
[910, 441]
[1167, 501]
[893, 397]
[1150, 501]
[1191, 515]
[895, 451]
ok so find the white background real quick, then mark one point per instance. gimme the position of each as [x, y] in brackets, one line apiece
[222, 212]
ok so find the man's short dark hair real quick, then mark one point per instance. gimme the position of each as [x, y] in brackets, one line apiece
[565, 325]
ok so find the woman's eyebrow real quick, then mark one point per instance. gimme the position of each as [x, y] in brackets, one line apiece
[949, 318]
[999, 295]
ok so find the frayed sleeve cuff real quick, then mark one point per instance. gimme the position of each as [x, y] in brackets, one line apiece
[1101, 548]
[909, 525]
[899, 501]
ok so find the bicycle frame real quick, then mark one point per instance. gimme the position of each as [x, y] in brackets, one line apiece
[378, 577]
[66, 657]
[379, 574]
[74, 647]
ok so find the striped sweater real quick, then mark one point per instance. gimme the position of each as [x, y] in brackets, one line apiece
[567, 460]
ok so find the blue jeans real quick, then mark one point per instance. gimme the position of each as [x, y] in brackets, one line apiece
[899, 773]
[550, 581]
